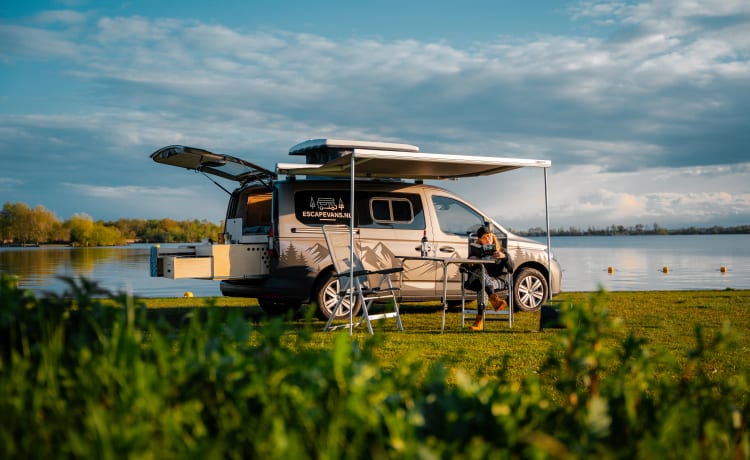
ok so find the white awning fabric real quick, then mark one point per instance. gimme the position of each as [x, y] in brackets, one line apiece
[389, 164]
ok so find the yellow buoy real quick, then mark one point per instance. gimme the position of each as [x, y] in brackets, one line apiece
[723, 269]
[610, 270]
[187, 294]
[665, 269]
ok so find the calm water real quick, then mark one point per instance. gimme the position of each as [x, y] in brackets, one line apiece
[120, 268]
[694, 262]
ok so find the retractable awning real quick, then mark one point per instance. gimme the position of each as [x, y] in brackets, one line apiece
[392, 164]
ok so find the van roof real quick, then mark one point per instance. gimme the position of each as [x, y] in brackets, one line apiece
[402, 164]
[345, 144]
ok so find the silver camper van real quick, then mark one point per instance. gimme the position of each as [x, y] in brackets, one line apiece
[273, 249]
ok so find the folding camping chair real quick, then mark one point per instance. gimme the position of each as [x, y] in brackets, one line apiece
[358, 288]
[471, 278]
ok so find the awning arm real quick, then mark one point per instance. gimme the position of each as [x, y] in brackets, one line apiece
[549, 240]
[351, 246]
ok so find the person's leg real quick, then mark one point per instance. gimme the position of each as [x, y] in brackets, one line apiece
[496, 300]
[481, 305]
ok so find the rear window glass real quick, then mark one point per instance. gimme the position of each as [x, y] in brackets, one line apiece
[255, 210]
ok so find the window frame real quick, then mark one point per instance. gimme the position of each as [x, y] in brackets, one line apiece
[390, 200]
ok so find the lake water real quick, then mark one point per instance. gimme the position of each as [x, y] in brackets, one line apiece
[693, 262]
[638, 262]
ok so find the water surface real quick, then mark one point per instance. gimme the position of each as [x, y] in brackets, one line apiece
[693, 262]
[638, 262]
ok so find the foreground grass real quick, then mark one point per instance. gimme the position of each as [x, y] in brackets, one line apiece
[80, 379]
[667, 320]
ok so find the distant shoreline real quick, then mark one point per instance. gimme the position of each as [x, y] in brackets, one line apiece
[637, 231]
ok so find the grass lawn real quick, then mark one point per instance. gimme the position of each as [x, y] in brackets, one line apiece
[666, 319]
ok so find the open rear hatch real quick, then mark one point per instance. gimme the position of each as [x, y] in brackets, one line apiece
[225, 166]
[246, 256]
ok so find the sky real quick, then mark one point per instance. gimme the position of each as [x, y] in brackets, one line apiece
[643, 107]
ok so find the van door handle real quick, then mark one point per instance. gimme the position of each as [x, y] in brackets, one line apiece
[447, 249]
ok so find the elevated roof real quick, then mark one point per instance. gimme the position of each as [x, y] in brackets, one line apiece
[344, 144]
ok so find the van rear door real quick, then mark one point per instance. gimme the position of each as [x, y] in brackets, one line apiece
[225, 166]
[246, 252]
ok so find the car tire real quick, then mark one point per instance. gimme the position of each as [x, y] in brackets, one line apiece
[326, 297]
[530, 290]
[273, 307]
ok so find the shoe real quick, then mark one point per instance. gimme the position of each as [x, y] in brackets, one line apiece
[478, 323]
[497, 302]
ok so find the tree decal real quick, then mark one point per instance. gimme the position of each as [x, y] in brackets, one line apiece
[292, 257]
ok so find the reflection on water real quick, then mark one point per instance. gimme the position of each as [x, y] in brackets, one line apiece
[122, 268]
[694, 262]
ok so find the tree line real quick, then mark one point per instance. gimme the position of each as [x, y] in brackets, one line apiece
[23, 225]
[639, 229]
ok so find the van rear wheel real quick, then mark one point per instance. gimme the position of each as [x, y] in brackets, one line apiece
[327, 298]
[529, 290]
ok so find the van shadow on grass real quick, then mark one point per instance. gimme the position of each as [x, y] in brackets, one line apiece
[180, 316]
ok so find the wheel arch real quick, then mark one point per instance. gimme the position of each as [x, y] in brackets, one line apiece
[318, 281]
[541, 268]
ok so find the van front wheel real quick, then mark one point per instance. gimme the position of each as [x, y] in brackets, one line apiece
[327, 298]
[529, 290]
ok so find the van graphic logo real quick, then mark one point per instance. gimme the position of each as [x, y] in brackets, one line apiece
[326, 204]
[325, 209]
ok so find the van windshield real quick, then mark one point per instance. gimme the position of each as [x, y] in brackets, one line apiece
[454, 217]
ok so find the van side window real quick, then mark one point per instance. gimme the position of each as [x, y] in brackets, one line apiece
[454, 217]
[393, 210]
[373, 209]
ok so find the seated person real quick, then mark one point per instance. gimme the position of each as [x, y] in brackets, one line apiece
[492, 283]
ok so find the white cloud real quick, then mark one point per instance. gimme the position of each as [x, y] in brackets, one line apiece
[66, 17]
[23, 42]
[6, 182]
[130, 192]
[627, 115]
[185, 202]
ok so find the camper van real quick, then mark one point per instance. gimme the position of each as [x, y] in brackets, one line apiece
[272, 247]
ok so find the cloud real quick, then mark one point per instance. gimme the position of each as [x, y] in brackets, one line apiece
[179, 202]
[64, 17]
[128, 192]
[6, 182]
[657, 90]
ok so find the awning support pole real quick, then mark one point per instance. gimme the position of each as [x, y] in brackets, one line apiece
[549, 240]
[351, 244]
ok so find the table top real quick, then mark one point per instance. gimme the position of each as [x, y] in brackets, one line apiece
[449, 260]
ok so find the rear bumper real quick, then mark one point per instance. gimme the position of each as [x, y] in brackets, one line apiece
[289, 284]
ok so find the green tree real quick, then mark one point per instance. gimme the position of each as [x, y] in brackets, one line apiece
[104, 235]
[19, 219]
[42, 224]
[81, 229]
